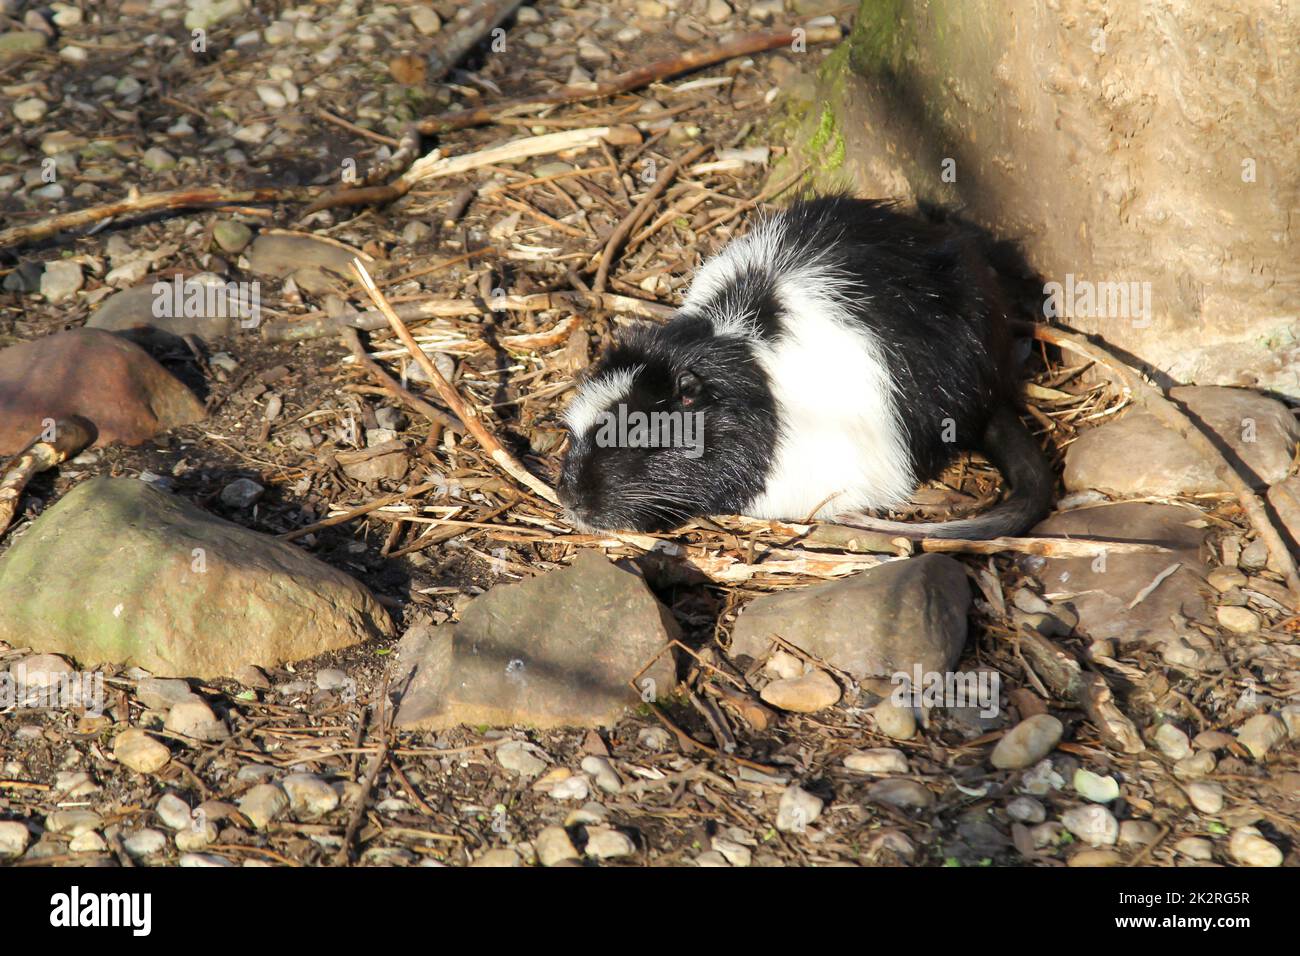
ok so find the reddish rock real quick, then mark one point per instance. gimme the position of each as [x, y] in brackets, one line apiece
[113, 382]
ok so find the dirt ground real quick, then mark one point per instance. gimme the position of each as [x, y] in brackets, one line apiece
[443, 797]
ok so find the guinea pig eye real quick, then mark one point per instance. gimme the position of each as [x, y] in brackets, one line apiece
[689, 388]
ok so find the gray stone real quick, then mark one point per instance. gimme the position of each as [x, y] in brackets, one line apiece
[554, 846]
[1172, 742]
[556, 650]
[135, 749]
[1260, 432]
[606, 843]
[902, 793]
[210, 308]
[174, 812]
[263, 804]
[195, 719]
[61, 280]
[1027, 743]
[1261, 734]
[873, 624]
[878, 760]
[14, 837]
[1100, 589]
[807, 694]
[160, 693]
[1249, 848]
[309, 795]
[204, 598]
[231, 236]
[1095, 787]
[73, 822]
[797, 809]
[147, 842]
[1093, 824]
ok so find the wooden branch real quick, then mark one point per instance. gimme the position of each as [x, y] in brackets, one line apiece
[1172, 417]
[139, 205]
[461, 35]
[436, 417]
[743, 45]
[1046, 547]
[365, 509]
[450, 397]
[71, 435]
[640, 213]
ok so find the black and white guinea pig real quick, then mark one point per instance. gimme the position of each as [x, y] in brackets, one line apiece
[822, 365]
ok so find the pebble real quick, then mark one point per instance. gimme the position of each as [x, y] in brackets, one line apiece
[278, 32]
[1198, 764]
[711, 859]
[271, 96]
[160, 693]
[241, 493]
[1249, 848]
[1027, 743]
[1205, 797]
[808, 694]
[1290, 716]
[72, 822]
[1093, 824]
[554, 846]
[195, 719]
[331, 678]
[797, 809]
[140, 752]
[1212, 740]
[88, 842]
[654, 739]
[426, 20]
[70, 784]
[500, 857]
[309, 795]
[157, 159]
[1137, 832]
[1198, 848]
[61, 280]
[894, 721]
[901, 792]
[1095, 857]
[876, 760]
[1041, 779]
[603, 772]
[517, 756]
[1226, 578]
[1029, 602]
[30, 110]
[1026, 810]
[586, 815]
[736, 854]
[1172, 742]
[1095, 787]
[572, 788]
[13, 839]
[1260, 734]
[718, 11]
[174, 812]
[198, 835]
[199, 860]
[143, 843]
[606, 843]
[231, 236]
[1239, 620]
[263, 803]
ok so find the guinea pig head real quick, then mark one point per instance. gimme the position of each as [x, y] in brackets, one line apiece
[673, 422]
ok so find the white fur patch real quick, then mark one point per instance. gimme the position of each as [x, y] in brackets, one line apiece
[841, 438]
[598, 396]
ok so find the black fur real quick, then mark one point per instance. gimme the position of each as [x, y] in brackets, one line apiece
[926, 290]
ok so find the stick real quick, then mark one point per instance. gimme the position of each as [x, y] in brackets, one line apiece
[1047, 547]
[1172, 417]
[450, 397]
[466, 32]
[743, 45]
[630, 222]
[361, 510]
[436, 417]
[71, 435]
[137, 205]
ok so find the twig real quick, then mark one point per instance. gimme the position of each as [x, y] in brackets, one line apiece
[344, 855]
[1172, 417]
[743, 45]
[71, 435]
[465, 33]
[638, 215]
[138, 205]
[361, 510]
[436, 417]
[450, 397]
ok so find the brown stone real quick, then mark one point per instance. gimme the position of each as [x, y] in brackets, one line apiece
[112, 382]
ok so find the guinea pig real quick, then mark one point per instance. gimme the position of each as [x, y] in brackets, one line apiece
[822, 365]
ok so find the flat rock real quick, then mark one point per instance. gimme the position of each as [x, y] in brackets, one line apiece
[1100, 589]
[1027, 742]
[13, 839]
[282, 254]
[556, 650]
[92, 373]
[1259, 432]
[872, 624]
[1285, 499]
[808, 694]
[135, 749]
[203, 597]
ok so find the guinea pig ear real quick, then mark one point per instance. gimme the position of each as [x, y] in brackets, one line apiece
[690, 388]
